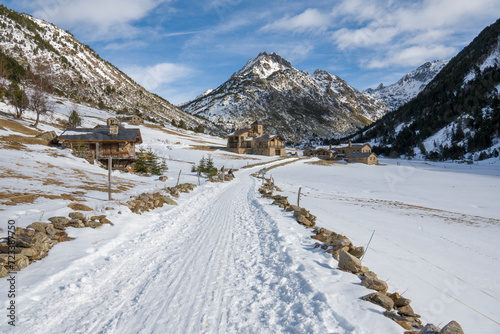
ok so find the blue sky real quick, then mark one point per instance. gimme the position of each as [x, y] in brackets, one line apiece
[179, 49]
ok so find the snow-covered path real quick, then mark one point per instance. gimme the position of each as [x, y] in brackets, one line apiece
[217, 263]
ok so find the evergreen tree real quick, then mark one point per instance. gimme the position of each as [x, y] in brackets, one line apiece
[17, 98]
[74, 119]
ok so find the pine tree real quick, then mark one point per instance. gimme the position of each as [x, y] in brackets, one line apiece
[74, 119]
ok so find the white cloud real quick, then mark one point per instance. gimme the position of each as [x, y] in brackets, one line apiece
[98, 19]
[159, 75]
[413, 56]
[310, 19]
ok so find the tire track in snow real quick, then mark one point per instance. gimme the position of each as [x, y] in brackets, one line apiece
[214, 264]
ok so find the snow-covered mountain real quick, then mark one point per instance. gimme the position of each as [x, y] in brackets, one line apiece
[77, 72]
[456, 116]
[409, 86]
[288, 101]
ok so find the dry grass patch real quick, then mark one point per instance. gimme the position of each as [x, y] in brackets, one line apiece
[8, 173]
[20, 198]
[237, 157]
[23, 140]
[326, 163]
[161, 128]
[79, 207]
[202, 148]
[17, 127]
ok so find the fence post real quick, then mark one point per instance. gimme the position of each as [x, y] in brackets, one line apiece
[110, 159]
[367, 246]
[178, 178]
[298, 197]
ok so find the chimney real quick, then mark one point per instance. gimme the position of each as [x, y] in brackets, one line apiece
[350, 143]
[113, 126]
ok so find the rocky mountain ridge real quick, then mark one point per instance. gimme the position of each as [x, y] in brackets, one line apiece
[287, 101]
[408, 87]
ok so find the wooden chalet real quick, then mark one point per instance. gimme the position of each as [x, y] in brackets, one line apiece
[253, 141]
[368, 158]
[103, 142]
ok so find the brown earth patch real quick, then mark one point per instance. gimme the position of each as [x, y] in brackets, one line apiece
[326, 163]
[17, 127]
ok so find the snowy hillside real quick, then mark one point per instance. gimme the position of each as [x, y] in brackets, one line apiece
[456, 116]
[406, 88]
[288, 101]
[76, 71]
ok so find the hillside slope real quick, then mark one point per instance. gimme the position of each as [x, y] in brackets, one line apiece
[288, 101]
[458, 113]
[76, 71]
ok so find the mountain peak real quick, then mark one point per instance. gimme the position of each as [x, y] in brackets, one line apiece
[264, 65]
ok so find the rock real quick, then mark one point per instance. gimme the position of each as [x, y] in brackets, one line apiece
[108, 208]
[3, 272]
[405, 324]
[77, 223]
[59, 222]
[357, 251]
[48, 136]
[30, 252]
[79, 207]
[37, 226]
[63, 236]
[406, 310]
[401, 301]
[412, 332]
[380, 299]
[430, 329]
[452, 328]
[5, 249]
[304, 221]
[98, 217]
[76, 215]
[106, 221]
[370, 281]
[339, 243]
[170, 201]
[95, 224]
[319, 237]
[163, 178]
[349, 263]
[50, 230]
[24, 237]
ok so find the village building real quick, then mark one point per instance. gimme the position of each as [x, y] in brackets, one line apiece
[368, 158]
[353, 148]
[321, 153]
[253, 141]
[104, 142]
[133, 120]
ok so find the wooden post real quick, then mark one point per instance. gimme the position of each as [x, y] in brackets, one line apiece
[96, 152]
[178, 178]
[199, 179]
[298, 197]
[109, 177]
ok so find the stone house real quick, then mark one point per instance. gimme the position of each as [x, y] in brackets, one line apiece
[368, 158]
[103, 142]
[353, 148]
[133, 120]
[253, 141]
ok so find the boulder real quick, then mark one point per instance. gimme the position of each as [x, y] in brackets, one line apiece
[50, 230]
[349, 263]
[98, 217]
[380, 299]
[38, 226]
[77, 223]
[63, 236]
[430, 329]
[170, 201]
[357, 251]
[407, 311]
[106, 221]
[370, 281]
[452, 328]
[5, 249]
[304, 221]
[95, 224]
[163, 178]
[59, 222]
[48, 136]
[405, 324]
[30, 252]
[76, 215]
[338, 243]
[319, 237]
[3, 272]
[24, 237]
